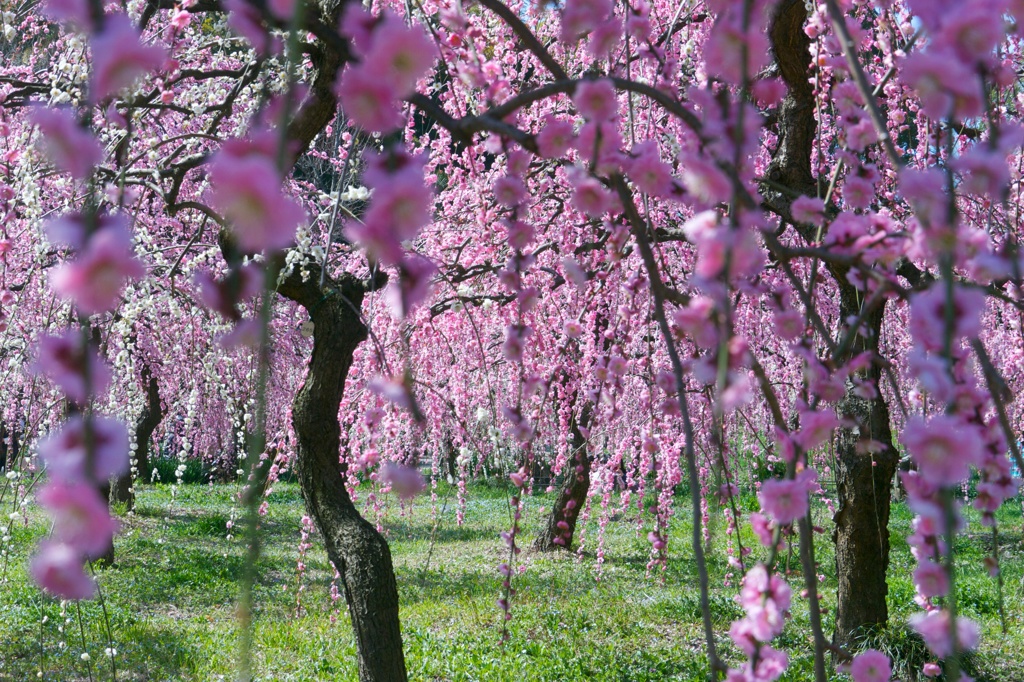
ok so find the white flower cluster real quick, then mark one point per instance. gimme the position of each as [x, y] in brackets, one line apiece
[69, 73]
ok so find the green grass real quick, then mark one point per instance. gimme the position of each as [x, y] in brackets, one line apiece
[170, 600]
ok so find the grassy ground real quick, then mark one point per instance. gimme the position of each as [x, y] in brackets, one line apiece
[170, 601]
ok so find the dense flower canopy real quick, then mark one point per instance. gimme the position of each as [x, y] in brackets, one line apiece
[657, 232]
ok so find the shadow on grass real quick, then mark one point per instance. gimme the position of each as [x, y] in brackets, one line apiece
[144, 652]
[401, 530]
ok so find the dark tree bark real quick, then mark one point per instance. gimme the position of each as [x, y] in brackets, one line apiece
[359, 552]
[561, 526]
[150, 417]
[863, 479]
[865, 465]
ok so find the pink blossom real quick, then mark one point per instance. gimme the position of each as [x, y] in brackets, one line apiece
[762, 528]
[400, 206]
[861, 134]
[726, 47]
[769, 91]
[809, 210]
[858, 192]
[70, 229]
[80, 516]
[393, 390]
[65, 452]
[399, 55]
[369, 101]
[946, 86]
[926, 192]
[765, 598]
[580, 17]
[944, 448]
[575, 272]
[638, 20]
[282, 9]
[992, 495]
[378, 240]
[704, 179]
[518, 478]
[246, 333]
[931, 579]
[223, 295]
[357, 25]
[515, 340]
[695, 321]
[783, 500]
[931, 669]
[931, 374]
[180, 19]
[406, 481]
[648, 172]
[605, 37]
[247, 191]
[933, 13]
[871, 666]
[789, 324]
[934, 629]
[815, 428]
[742, 635]
[63, 361]
[601, 142]
[75, 13]
[555, 138]
[70, 147]
[119, 59]
[928, 315]
[413, 287]
[590, 197]
[714, 243]
[596, 100]
[405, 203]
[519, 162]
[95, 280]
[973, 31]
[519, 234]
[58, 569]
[771, 664]
[983, 172]
[509, 191]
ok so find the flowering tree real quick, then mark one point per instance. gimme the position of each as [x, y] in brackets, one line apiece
[635, 232]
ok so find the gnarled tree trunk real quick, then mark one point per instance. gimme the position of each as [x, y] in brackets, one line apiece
[561, 526]
[359, 552]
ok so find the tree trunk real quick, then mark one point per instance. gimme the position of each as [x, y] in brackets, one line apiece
[561, 526]
[865, 465]
[150, 417]
[863, 481]
[358, 551]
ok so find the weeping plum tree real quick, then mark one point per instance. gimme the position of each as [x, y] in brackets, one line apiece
[737, 217]
[865, 455]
